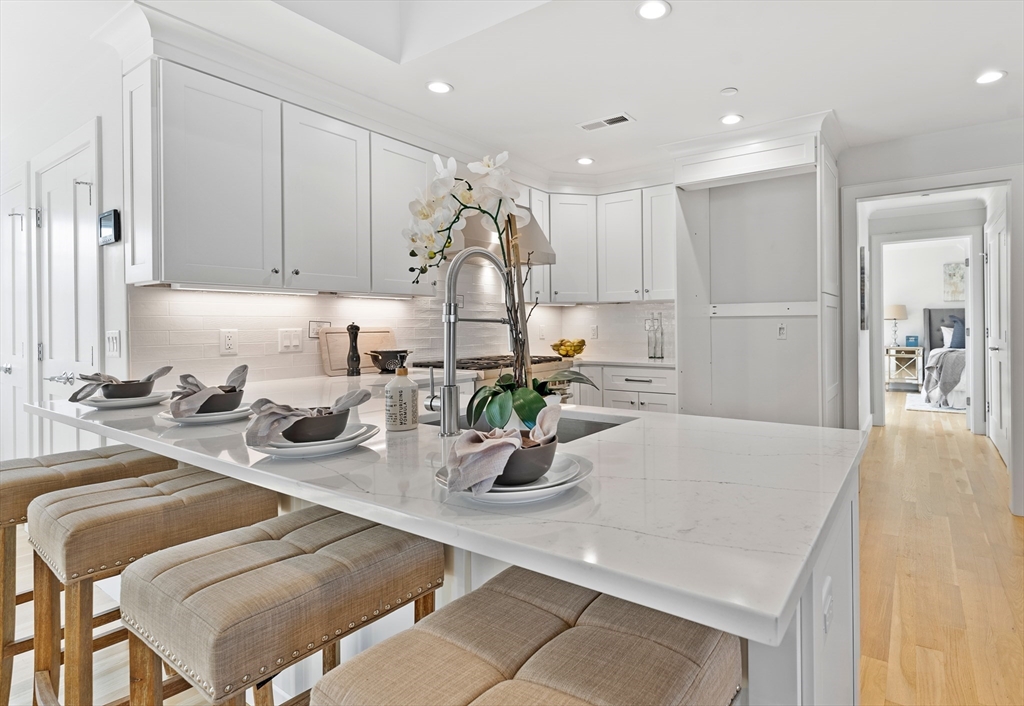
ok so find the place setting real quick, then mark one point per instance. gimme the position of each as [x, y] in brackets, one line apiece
[120, 394]
[510, 466]
[283, 431]
[194, 403]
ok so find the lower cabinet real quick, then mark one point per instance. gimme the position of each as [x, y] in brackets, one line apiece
[644, 401]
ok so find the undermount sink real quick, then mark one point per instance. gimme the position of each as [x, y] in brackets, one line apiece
[570, 427]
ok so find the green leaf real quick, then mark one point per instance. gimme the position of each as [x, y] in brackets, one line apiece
[499, 410]
[481, 397]
[571, 376]
[505, 381]
[527, 404]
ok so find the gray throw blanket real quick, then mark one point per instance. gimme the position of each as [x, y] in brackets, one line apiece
[942, 372]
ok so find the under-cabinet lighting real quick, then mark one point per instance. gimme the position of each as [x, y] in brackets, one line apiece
[990, 76]
[585, 161]
[653, 9]
[440, 87]
[731, 119]
[233, 290]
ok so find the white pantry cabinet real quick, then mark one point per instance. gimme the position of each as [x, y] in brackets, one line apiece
[538, 285]
[620, 260]
[659, 242]
[399, 172]
[326, 203]
[573, 238]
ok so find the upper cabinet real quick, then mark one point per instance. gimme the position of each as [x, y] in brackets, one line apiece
[659, 235]
[400, 171]
[619, 252]
[538, 283]
[573, 238]
[221, 181]
[326, 203]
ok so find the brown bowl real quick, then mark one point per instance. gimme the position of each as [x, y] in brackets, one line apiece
[321, 428]
[222, 403]
[128, 388]
[528, 464]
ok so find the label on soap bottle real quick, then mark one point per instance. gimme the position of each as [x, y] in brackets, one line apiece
[401, 404]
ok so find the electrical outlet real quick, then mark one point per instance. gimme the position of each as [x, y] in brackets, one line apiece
[229, 341]
[542, 332]
[593, 332]
[780, 334]
[113, 339]
[315, 326]
[289, 340]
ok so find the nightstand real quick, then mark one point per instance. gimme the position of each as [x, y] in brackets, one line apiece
[904, 364]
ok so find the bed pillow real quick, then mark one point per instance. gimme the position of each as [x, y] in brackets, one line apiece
[959, 338]
[947, 336]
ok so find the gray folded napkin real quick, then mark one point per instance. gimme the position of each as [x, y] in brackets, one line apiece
[191, 394]
[98, 380]
[477, 458]
[271, 418]
[546, 428]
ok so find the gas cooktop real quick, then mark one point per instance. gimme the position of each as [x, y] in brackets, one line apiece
[485, 362]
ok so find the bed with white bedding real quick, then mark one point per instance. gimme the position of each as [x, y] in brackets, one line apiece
[945, 367]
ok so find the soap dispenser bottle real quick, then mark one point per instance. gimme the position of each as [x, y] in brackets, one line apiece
[401, 402]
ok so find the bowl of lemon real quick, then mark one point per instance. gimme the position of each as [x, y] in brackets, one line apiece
[569, 348]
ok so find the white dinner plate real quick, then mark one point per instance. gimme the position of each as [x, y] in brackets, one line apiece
[211, 418]
[525, 496]
[306, 451]
[563, 469]
[350, 432]
[125, 402]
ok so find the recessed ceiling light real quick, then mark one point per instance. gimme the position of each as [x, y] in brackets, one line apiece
[990, 76]
[731, 119]
[585, 161]
[730, 91]
[653, 9]
[440, 87]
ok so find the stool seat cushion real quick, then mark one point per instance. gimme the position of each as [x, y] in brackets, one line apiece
[99, 529]
[236, 608]
[24, 479]
[596, 650]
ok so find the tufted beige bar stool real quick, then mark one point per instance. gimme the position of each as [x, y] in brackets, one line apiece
[231, 611]
[530, 640]
[84, 534]
[24, 479]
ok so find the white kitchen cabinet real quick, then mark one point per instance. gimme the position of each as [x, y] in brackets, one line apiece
[220, 180]
[620, 260]
[586, 394]
[659, 242]
[398, 172]
[574, 240]
[657, 402]
[538, 285]
[619, 399]
[326, 203]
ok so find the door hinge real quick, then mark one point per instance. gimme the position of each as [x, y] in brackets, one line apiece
[968, 401]
[39, 216]
[967, 331]
[39, 352]
[986, 257]
[986, 332]
[988, 408]
[967, 262]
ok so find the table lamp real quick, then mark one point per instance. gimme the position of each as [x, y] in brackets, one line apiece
[894, 313]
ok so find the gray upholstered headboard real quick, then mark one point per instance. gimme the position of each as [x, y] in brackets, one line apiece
[934, 320]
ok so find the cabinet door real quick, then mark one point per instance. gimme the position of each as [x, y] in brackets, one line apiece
[619, 247]
[574, 239]
[326, 203]
[621, 400]
[659, 225]
[399, 173]
[585, 394]
[538, 284]
[657, 402]
[221, 181]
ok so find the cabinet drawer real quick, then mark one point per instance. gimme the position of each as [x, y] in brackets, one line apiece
[657, 402]
[639, 379]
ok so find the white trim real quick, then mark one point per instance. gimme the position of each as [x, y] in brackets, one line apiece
[765, 309]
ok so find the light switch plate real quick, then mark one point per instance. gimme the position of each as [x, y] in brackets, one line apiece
[593, 332]
[113, 345]
[229, 341]
[289, 340]
[542, 332]
[781, 333]
[315, 326]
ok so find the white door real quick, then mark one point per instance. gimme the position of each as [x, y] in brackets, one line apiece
[574, 240]
[399, 172]
[15, 318]
[997, 325]
[620, 262]
[538, 285]
[326, 203]
[68, 299]
[657, 402]
[621, 400]
[659, 224]
[221, 181]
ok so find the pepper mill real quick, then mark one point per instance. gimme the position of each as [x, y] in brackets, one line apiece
[353, 350]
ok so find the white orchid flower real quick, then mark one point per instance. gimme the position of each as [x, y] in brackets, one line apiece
[422, 208]
[444, 180]
[487, 164]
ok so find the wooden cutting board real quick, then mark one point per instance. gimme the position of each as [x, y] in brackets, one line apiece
[334, 347]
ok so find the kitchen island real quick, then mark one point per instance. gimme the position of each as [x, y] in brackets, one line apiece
[747, 527]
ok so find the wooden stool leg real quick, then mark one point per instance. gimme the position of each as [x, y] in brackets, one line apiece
[147, 686]
[263, 694]
[330, 656]
[8, 570]
[46, 605]
[424, 606]
[78, 643]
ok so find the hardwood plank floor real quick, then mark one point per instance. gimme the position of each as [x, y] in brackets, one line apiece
[942, 566]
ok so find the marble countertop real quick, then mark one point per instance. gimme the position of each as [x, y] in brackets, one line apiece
[625, 362]
[714, 520]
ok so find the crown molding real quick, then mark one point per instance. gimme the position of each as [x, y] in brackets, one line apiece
[824, 122]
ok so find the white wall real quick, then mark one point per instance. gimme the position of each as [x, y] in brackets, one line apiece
[912, 276]
[620, 329]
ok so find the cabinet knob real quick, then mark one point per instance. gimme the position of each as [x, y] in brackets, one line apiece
[642, 404]
[295, 272]
[556, 291]
[636, 291]
[275, 270]
[647, 291]
[632, 402]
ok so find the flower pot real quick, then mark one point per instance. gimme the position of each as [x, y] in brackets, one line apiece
[526, 465]
[320, 428]
[128, 388]
[222, 403]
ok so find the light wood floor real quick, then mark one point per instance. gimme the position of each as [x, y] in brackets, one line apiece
[942, 566]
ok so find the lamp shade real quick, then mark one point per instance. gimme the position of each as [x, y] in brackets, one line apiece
[533, 244]
[895, 312]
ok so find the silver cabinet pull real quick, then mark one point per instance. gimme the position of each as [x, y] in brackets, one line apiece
[642, 404]
[295, 272]
[275, 270]
[647, 291]
[636, 291]
[993, 348]
[637, 380]
[6, 368]
[632, 402]
[65, 378]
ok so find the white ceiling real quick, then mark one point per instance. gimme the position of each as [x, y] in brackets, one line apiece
[888, 69]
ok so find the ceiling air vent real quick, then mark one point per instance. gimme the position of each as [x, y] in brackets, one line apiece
[592, 125]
